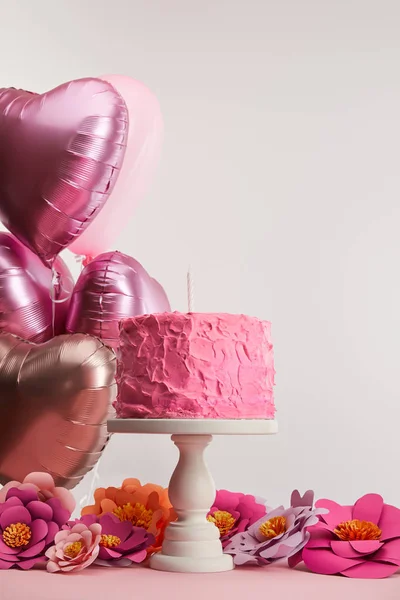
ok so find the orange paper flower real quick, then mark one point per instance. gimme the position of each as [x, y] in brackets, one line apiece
[146, 506]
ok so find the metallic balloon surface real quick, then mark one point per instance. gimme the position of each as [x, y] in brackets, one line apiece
[60, 155]
[26, 291]
[112, 287]
[55, 401]
[145, 137]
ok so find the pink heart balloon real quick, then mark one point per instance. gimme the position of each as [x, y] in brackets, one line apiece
[110, 288]
[60, 155]
[26, 292]
[141, 159]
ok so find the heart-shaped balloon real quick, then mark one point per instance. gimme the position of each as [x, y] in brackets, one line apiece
[112, 287]
[55, 400]
[60, 155]
[26, 292]
[141, 158]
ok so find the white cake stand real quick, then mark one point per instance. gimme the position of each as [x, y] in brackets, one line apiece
[191, 544]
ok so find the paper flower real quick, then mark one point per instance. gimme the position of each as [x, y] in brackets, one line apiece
[234, 512]
[281, 533]
[74, 549]
[44, 485]
[27, 527]
[146, 506]
[121, 543]
[356, 541]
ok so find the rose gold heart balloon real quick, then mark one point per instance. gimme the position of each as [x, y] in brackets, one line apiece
[60, 156]
[55, 400]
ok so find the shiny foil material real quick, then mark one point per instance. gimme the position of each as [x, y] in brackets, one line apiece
[60, 156]
[110, 288]
[26, 291]
[54, 403]
[137, 172]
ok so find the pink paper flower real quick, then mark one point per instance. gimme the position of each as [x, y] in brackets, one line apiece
[75, 548]
[44, 485]
[234, 512]
[27, 527]
[356, 541]
[281, 533]
[121, 543]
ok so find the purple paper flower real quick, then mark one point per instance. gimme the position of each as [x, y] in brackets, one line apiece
[234, 512]
[282, 533]
[121, 542]
[28, 527]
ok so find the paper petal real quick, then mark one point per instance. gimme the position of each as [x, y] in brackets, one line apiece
[52, 567]
[6, 487]
[320, 537]
[24, 494]
[343, 549]
[337, 513]
[6, 549]
[51, 553]
[389, 522]
[66, 498]
[245, 559]
[11, 502]
[326, 562]
[5, 564]
[111, 553]
[137, 557]
[371, 570]
[296, 559]
[306, 500]
[366, 546]
[9, 557]
[368, 508]
[32, 551]
[390, 551]
[60, 514]
[53, 529]
[40, 510]
[28, 564]
[15, 514]
[269, 552]
[39, 530]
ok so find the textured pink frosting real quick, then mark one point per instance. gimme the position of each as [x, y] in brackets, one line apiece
[195, 365]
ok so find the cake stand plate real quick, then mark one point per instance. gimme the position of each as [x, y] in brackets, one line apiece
[195, 426]
[192, 544]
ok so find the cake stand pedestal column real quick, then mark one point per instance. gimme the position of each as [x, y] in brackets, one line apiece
[192, 544]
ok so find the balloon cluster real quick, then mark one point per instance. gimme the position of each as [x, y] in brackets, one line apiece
[73, 163]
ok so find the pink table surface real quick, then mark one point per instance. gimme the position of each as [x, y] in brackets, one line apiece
[276, 582]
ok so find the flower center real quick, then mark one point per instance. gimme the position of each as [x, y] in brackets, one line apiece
[109, 541]
[17, 535]
[223, 520]
[72, 550]
[357, 530]
[273, 527]
[138, 515]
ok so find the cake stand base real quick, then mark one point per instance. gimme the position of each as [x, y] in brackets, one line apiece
[192, 544]
[187, 564]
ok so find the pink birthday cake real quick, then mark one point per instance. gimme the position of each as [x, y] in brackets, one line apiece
[195, 366]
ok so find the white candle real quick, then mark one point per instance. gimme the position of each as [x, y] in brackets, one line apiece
[190, 291]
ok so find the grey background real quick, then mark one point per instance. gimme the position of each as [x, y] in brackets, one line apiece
[280, 183]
